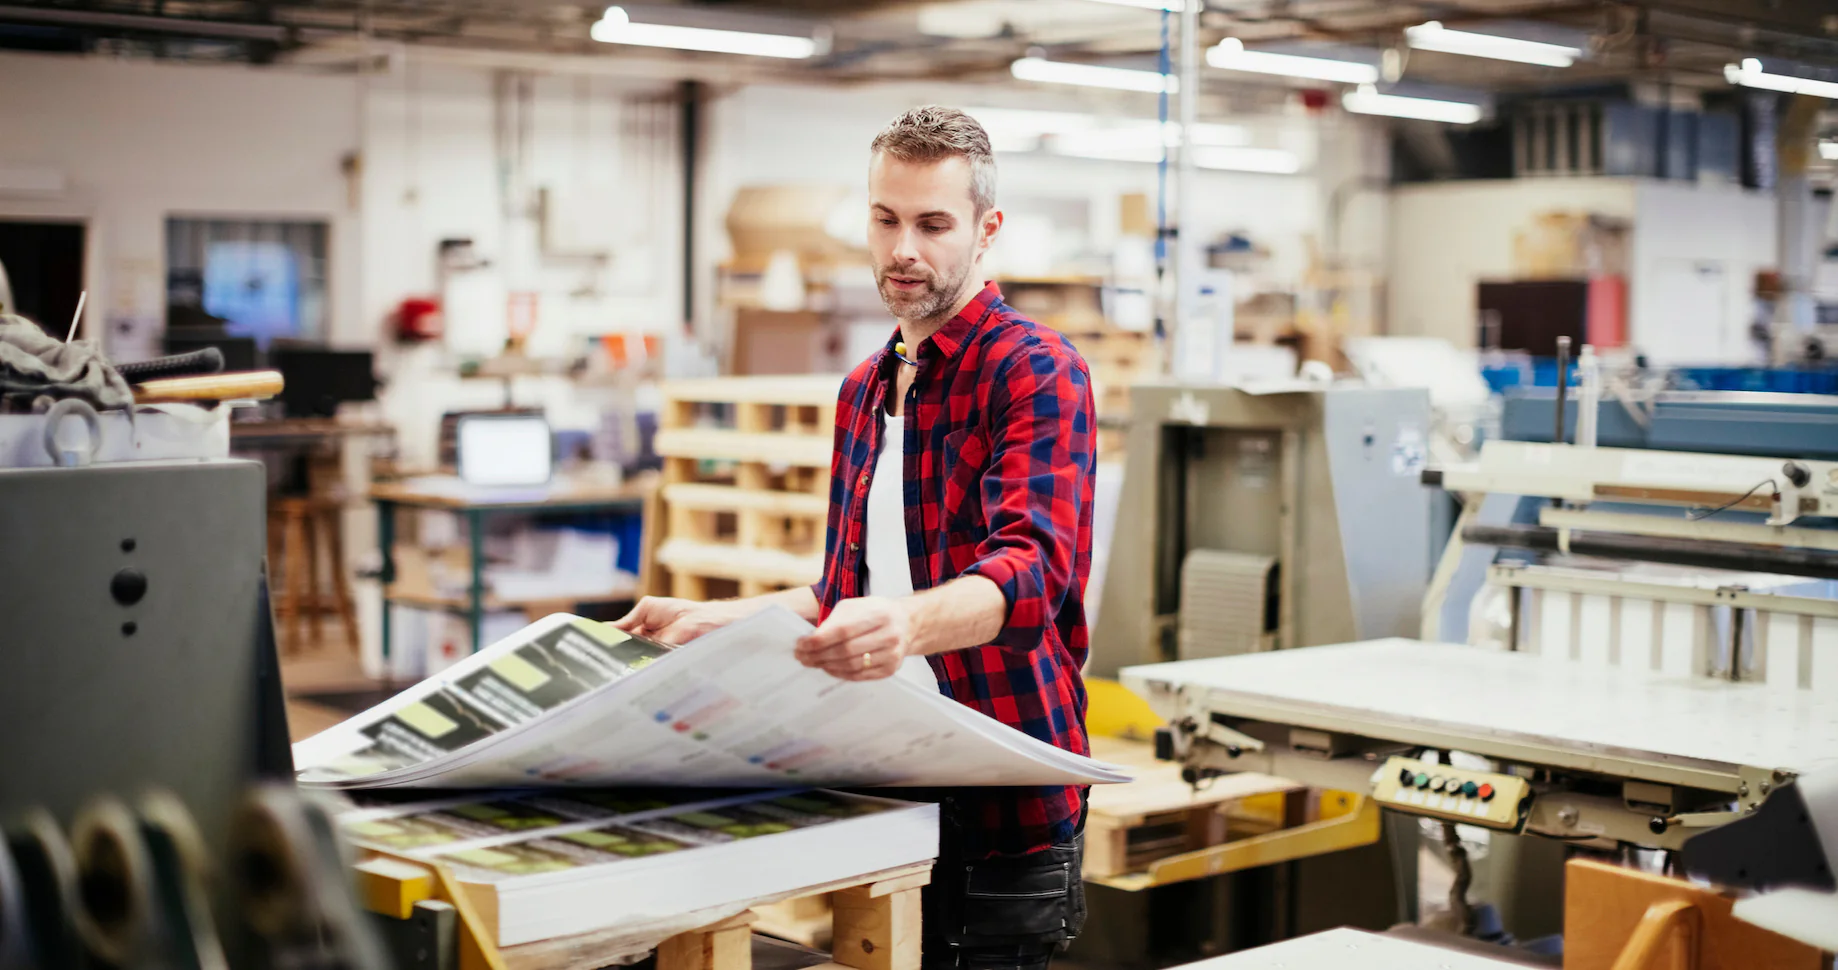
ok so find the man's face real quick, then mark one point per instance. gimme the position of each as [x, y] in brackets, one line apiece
[924, 234]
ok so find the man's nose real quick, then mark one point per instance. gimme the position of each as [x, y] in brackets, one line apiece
[904, 249]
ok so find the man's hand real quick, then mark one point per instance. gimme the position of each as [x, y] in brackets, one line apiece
[862, 639]
[677, 621]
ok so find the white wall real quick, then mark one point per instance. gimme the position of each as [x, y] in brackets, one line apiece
[771, 134]
[139, 141]
[436, 167]
[1694, 257]
[136, 142]
[1446, 237]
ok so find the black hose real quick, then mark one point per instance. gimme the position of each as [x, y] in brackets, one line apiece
[206, 361]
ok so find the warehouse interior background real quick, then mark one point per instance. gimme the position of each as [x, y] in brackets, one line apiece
[421, 211]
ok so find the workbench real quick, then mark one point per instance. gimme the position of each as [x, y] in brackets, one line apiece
[1735, 739]
[448, 493]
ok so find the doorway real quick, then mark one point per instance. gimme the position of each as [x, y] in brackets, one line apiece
[43, 263]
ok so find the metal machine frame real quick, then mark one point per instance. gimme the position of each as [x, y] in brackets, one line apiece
[1322, 479]
[1581, 791]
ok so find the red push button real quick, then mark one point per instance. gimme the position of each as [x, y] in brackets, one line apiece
[1486, 793]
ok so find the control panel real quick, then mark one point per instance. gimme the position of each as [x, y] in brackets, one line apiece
[1457, 794]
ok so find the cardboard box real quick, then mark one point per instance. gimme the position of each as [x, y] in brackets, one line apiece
[771, 342]
[765, 219]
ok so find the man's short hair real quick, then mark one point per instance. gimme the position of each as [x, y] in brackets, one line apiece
[933, 132]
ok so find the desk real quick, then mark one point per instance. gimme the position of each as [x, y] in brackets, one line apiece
[302, 433]
[448, 493]
[1346, 949]
[307, 496]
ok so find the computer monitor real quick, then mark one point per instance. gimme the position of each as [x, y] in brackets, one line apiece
[505, 449]
[318, 381]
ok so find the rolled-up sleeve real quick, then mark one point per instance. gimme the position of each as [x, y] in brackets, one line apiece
[1036, 482]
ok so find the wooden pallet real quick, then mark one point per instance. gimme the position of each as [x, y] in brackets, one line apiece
[745, 485]
[1132, 825]
[874, 923]
[874, 926]
[1156, 815]
[1117, 359]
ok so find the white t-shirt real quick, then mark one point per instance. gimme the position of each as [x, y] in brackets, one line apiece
[889, 571]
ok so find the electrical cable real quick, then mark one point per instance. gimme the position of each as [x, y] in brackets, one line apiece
[1700, 515]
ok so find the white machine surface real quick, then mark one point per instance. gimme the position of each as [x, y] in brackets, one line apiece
[1503, 704]
[1343, 949]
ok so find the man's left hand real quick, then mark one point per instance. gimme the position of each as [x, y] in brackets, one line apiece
[862, 639]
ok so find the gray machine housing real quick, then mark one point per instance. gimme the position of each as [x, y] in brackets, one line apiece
[137, 650]
[1325, 481]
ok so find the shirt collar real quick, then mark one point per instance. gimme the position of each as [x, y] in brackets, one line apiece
[957, 331]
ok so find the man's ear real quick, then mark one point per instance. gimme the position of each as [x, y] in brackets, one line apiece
[986, 230]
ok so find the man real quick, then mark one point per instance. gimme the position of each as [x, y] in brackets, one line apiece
[959, 532]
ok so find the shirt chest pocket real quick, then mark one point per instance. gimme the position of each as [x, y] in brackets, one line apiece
[966, 459]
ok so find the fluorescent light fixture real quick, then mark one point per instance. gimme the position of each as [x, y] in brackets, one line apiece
[1093, 76]
[1031, 121]
[1106, 146]
[1172, 6]
[1230, 55]
[1433, 36]
[616, 27]
[1092, 136]
[1273, 161]
[1366, 100]
[1828, 150]
[1750, 75]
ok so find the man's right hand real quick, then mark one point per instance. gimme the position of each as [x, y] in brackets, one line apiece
[677, 621]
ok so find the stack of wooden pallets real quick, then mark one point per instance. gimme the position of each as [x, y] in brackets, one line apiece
[746, 485]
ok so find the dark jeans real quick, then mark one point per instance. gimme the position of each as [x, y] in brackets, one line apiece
[1001, 913]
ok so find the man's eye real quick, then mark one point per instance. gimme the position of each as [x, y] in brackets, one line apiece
[936, 228]
[885, 222]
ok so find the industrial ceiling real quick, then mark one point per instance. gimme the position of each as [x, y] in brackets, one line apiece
[1679, 42]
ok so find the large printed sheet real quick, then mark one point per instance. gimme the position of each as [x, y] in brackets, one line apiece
[567, 701]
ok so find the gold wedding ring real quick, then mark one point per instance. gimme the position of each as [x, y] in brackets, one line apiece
[867, 659]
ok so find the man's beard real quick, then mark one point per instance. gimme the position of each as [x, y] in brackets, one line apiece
[931, 303]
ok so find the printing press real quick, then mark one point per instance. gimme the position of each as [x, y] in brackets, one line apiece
[1653, 648]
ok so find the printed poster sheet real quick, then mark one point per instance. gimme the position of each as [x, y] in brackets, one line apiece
[570, 702]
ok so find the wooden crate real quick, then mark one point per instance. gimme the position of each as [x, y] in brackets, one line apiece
[746, 480]
[1117, 359]
[874, 925]
[1158, 815]
[875, 920]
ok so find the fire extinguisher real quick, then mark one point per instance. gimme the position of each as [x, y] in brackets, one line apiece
[418, 318]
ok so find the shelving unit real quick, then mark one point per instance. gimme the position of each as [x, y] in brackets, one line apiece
[745, 486]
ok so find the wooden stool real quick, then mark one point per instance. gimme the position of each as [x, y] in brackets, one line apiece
[299, 529]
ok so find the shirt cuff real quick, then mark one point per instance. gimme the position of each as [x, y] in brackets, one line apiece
[1024, 626]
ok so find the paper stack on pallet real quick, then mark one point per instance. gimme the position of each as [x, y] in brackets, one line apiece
[540, 866]
[570, 706]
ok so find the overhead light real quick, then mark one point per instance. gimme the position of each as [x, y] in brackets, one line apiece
[1750, 75]
[1828, 150]
[1172, 6]
[1433, 36]
[1230, 55]
[1092, 136]
[616, 27]
[1094, 76]
[1273, 161]
[1366, 100]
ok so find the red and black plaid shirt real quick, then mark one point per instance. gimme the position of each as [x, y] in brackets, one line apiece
[1000, 441]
